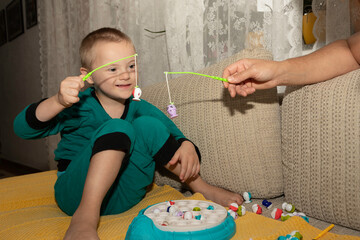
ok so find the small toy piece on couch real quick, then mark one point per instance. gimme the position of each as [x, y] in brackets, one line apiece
[256, 209]
[290, 208]
[267, 204]
[247, 197]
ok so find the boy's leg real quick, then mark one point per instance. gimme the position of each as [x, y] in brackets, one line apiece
[103, 170]
[81, 189]
[115, 134]
[153, 144]
[153, 140]
[210, 192]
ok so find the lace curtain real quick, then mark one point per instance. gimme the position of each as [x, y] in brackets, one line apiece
[62, 25]
[197, 33]
[200, 33]
[336, 19]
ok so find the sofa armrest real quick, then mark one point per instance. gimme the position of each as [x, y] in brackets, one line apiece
[321, 149]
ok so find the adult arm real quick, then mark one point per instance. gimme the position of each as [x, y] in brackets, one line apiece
[333, 60]
[337, 58]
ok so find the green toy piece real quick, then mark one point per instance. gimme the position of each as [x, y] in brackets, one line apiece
[200, 74]
[89, 74]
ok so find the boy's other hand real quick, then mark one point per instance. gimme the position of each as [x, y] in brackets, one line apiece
[69, 90]
[188, 159]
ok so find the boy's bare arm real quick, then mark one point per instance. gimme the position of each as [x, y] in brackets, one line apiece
[66, 97]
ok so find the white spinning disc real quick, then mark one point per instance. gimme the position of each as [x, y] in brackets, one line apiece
[181, 217]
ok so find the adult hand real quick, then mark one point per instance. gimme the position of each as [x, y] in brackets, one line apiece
[247, 75]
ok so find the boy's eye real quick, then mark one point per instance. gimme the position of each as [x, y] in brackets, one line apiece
[112, 69]
[132, 67]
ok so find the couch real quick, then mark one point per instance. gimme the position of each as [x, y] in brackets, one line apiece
[302, 149]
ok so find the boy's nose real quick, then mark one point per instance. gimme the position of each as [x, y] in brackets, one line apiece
[124, 76]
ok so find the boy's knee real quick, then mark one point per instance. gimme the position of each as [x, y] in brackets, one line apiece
[115, 126]
[148, 124]
[115, 134]
[153, 136]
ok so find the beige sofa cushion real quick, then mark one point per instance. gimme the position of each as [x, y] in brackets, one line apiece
[239, 138]
[321, 149]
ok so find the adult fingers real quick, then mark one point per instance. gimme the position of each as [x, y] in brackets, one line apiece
[245, 89]
[242, 76]
[233, 68]
[232, 90]
[240, 90]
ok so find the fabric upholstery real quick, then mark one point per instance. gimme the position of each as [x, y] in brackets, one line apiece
[321, 149]
[239, 139]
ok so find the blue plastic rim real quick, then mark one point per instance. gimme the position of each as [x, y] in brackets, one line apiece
[143, 228]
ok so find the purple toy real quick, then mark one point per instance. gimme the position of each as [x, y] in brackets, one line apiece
[171, 109]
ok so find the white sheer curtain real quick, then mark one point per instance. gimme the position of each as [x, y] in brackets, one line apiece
[62, 24]
[336, 19]
[198, 33]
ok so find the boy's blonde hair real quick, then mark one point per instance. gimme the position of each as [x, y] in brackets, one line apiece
[102, 34]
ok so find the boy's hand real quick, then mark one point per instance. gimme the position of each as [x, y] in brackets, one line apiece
[69, 90]
[189, 161]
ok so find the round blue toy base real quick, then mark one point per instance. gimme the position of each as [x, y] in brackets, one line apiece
[182, 219]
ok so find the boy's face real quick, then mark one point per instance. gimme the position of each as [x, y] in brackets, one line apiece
[115, 81]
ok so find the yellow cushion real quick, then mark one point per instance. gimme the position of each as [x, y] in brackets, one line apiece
[28, 211]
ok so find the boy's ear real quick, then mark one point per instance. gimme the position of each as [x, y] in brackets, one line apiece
[84, 71]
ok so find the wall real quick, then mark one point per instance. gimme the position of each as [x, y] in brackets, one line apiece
[19, 86]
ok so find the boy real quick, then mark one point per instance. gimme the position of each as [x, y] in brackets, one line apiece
[109, 143]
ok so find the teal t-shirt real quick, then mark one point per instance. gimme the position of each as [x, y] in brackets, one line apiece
[78, 123]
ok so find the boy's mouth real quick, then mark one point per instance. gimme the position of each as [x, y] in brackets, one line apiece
[123, 85]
